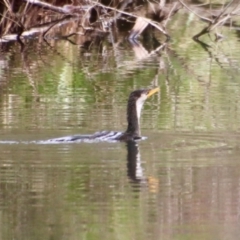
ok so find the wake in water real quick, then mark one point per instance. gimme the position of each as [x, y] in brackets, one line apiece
[104, 136]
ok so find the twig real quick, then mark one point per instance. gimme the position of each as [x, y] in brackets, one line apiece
[170, 13]
[7, 4]
[224, 10]
[219, 22]
[66, 9]
[48, 6]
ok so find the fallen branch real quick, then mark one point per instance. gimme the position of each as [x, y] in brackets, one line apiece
[43, 28]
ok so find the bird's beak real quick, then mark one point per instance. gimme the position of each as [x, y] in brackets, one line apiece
[152, 91]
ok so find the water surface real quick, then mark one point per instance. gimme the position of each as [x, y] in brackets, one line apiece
[182, 182]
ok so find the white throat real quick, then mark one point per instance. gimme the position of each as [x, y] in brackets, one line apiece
[139, 105]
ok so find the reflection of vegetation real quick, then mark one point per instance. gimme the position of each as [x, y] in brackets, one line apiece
[82, 191]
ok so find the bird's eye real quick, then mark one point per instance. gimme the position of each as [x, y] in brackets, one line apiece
[146, 93]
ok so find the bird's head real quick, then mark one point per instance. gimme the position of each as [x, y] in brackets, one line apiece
[139, 96]
[142, 94]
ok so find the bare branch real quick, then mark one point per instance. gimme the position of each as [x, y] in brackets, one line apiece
[48, 6]
[149, 21]
[170, 14]
[66, 9]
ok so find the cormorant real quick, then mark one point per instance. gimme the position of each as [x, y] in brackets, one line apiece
[135, 103]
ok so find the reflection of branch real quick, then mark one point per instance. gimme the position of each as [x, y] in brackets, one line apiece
[221, 19]
[27, 70]
[190, 10]
[141, 53]
[206, 47]
[22, 45]
[138, 28]
[20, 31]
[174, 7]
[58, 53]
[215, 57]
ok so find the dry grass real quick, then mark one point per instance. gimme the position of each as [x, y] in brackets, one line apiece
[35, 13]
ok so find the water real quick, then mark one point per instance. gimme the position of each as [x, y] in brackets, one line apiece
[182, 182]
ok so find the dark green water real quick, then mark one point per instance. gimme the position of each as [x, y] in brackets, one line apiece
[183, 182]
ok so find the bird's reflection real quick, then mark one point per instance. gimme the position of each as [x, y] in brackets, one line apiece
[134, 168]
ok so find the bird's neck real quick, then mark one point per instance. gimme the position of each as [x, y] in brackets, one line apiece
[133, 117]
